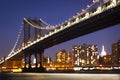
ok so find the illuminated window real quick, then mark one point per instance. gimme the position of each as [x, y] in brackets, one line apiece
[75, 55]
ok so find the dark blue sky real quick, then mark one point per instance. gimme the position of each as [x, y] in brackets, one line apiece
[53, 12]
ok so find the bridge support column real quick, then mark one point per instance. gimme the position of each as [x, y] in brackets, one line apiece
[29, 62]
[41, 58]
[25, 60]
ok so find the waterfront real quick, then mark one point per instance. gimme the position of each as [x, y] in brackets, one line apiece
[57, 76]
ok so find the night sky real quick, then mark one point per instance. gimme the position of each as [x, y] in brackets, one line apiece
[53, 12]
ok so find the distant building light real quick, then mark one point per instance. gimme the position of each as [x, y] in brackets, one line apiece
[103, 52]
[34, 61]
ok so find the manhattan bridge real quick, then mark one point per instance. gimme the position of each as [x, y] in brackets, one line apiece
[36, 35]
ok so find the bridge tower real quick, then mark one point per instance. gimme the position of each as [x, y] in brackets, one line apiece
[26, 33]
[31, 34]
[38, 31]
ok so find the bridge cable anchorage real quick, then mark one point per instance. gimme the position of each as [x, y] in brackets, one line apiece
[35, 25]
[18, 37]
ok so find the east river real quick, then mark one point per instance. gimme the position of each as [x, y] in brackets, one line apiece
[57, 76]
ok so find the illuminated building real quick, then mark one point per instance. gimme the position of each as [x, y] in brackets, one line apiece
[61, 56]
[47, 62]
[13, 64]
[106, 60]
[103, 52]
[85, 55]
[116, 52]
[64, 59]
[69, 58]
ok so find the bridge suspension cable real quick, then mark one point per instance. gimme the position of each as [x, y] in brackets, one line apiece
[45, 22]
[18, 37]
[94, 2]
[35, 25]
[89, 6]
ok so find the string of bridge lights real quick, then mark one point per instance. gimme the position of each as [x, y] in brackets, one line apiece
[17, 40]
[35, 25]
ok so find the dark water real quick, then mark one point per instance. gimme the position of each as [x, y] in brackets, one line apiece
[57, 76]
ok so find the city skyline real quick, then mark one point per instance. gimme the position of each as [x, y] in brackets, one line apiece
[85, 57]
[13, 13]
[101, 50]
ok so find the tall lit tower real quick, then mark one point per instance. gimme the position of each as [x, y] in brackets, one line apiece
[103, 52]
[34, 60]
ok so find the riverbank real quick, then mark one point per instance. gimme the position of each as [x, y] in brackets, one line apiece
[87, 71]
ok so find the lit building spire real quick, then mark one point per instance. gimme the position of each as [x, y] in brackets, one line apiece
[103, 52]
[34, 60]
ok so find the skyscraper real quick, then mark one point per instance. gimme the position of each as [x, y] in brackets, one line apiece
[85, 55]
[116, 52]
[103, 52]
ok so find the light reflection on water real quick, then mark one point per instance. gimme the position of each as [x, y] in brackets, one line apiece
[57, 76]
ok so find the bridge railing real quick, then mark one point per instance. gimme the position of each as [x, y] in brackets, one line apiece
[74, 20]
